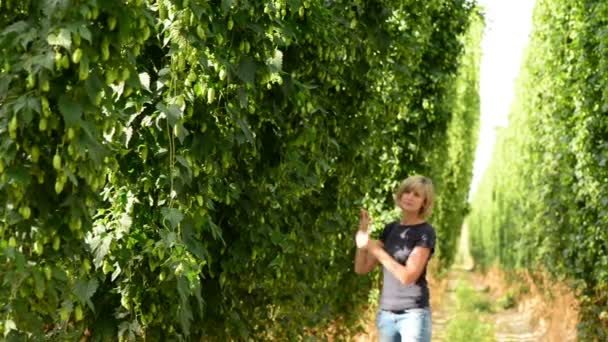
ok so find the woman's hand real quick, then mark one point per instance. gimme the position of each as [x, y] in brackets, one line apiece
[374, 244]
[364, 220]
[364, 260]
[362, 237]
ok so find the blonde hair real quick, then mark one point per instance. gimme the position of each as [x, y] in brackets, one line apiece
[422, 185]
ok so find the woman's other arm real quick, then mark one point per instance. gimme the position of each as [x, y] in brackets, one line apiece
[407, 274]
[364, 261]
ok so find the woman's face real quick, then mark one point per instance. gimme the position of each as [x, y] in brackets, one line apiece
[411, 201]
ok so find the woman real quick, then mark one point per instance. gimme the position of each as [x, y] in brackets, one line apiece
[404, 250]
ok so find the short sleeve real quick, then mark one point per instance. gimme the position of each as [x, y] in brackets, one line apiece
[427, 239]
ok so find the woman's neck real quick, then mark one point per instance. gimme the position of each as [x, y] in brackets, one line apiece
[411, 219]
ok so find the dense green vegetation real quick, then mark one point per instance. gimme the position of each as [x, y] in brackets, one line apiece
[543, 200]
[193, 169]
[453, 164]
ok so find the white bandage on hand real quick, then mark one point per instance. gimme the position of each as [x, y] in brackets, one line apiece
[361, 239]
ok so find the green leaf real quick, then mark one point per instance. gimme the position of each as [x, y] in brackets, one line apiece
[38, 281]
[168, 238]
[184, 312]
[96, 150]
[198, 89]
[124, 224]
[19, 175]
[9, 325]
[71, 176]
[192, 242]
[71, 110]
[44, 60]
[185, 164]
[216, 231]
[27, 37]
[128, 135]
[173, 113]
[275, 63]
[182, 132]
[226, 5]
[100, 247]
[144, 79]
[17, 27]
[51, 6]
[84, 290]
[27, 105]
[246, 70]
[62, 38]
[59, 274]
[294, 4]
[116, 273]
[5, 82]
[85, 33]
[172, 215]
[242, 124]
[199, 298]
[93, 86]
[242, 95]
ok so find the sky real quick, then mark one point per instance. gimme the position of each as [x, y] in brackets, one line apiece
[506, 35]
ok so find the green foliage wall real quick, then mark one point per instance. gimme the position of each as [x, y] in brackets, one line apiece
[452, 163]
[193, 169]
[543, 200]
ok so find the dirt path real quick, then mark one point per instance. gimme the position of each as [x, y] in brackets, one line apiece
[507, 325]
[504, 323]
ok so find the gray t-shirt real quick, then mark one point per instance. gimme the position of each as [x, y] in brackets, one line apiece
[399, 242]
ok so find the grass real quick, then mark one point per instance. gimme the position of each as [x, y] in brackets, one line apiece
[466, 324]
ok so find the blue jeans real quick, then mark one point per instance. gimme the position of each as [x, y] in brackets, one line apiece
[412, 326]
